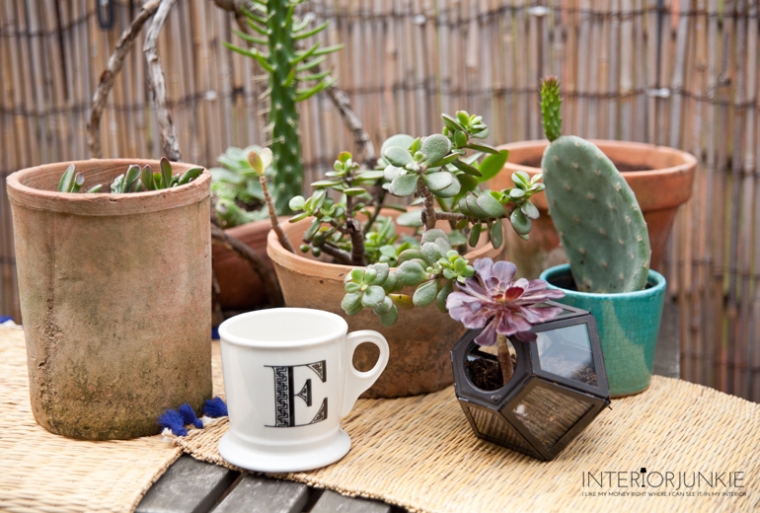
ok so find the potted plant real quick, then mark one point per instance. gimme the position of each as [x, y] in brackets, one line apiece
[662, 179]
[239, 206]
[238, 197]
[360, 262]
[114, 292]
[605, 237]
[544, 382]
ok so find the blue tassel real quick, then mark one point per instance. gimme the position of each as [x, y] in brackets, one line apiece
[173, 420]
[189, 417]
[215, 408]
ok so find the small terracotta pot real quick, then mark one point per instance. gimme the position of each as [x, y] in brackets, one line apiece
[419, 342]
[239, 286]
[115, 295]
[662, 179]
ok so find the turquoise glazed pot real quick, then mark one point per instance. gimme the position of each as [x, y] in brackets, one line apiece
[628, 325]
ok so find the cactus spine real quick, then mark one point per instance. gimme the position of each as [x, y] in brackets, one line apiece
[594, 210]
[287, 66]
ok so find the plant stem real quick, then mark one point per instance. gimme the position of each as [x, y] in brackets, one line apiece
[505, 360]
[273, 216]
[338, 254]
[376, 211]
[429, 205]
[454, 217]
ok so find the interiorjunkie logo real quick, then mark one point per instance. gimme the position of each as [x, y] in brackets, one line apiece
[633, 483]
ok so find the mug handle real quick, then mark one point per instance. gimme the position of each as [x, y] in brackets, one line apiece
[357, 382]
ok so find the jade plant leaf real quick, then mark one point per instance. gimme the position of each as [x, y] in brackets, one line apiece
[404, 185]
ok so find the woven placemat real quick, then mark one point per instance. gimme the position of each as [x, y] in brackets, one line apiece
[40, 471]
[419, 453]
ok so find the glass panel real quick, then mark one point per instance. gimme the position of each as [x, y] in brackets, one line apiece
[548, 414]
[566, 352]
[493, 424]
[483, 367]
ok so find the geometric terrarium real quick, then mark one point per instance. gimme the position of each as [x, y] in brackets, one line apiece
[558, 387]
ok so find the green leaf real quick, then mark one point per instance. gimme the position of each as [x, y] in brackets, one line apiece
[95, 189]
[312, 230]
[131, 177]
[492, 165]
[397, 156]
[66, 179]
[384, 307]
[490, 205]
[467, 168]
[355, 191]
[249, 38]
[373, 296]
[390, 318]
[485, 148]
[451, 123]
[166, 172]
[383, 270]
[328, 49]
[530, 210]
[468, 183]
[463, 117]
[450, 191]
[404, 185]
[522, 178]
[189, 175]
[370, 175]
[438, 181]
[357, 275]
[410, 254]
[313, 77]
[253, 54]
[296, 203]
[460, 138]
[475, 234]
[305, 94]
[520, 222]
[411, 273]
[431, 252]
[314, 31]
[443, 294]
[497, 234]
[402, 140]
[432, 235]
[425, 293]
[456, 238]
[390, 283]
[352, 303]
[411, 219]
[311, 64]
[516, 193]
[402, 301]
[435, 147]
[472, 204]
[352, 286]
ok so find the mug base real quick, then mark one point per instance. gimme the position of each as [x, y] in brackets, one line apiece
[257, 460]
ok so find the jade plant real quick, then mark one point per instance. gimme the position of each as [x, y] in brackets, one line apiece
[277, 28]
[596, 213]
[444, 172]
[133, 180]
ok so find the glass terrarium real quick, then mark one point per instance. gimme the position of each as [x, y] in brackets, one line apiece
[558, 387]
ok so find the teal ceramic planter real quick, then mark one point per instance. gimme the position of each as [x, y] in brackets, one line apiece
[628, 325]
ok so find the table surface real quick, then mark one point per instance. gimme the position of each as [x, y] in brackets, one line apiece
[191, 486]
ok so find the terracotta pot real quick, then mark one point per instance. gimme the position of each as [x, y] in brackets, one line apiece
[662, 179]
[239, 286]
[115, 295]
[419, 342]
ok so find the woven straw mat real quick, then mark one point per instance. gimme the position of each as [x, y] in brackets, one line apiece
[40, 471]
[420, 453]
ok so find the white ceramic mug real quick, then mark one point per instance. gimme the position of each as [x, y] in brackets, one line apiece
[288, 379]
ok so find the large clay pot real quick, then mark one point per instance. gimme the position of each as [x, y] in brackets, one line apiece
[419, 342]
[662, 179]
[240, 288]
[115, 295]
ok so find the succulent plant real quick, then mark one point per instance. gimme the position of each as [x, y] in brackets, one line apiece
[237, 188]
[594, 210]
[278, 30]
[134, 180]
[438, 170]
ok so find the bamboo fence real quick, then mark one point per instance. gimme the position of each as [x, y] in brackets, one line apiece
[682, 73]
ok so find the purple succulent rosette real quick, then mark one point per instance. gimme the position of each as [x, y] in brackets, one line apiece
[491, 300]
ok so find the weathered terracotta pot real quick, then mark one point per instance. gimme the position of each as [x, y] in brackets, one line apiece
[115, 295]
[419, 342]
[662, 179]
[239, 286]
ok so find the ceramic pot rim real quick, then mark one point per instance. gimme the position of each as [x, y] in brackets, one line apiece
[104, 204]
[658, 280]
[341, 328]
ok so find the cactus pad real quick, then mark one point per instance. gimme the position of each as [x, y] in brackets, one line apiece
[597, 216]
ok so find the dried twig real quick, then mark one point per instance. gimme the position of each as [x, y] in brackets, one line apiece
[157, 84]
[107, 78]
[281, 235]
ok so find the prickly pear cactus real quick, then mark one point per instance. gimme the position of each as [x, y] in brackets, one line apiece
[594, 210]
